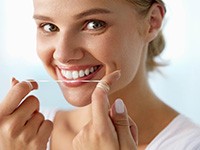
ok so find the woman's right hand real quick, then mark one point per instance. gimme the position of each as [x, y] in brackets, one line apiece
[22, 127]
[110, 128]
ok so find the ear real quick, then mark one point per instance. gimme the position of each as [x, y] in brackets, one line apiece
[155, 18]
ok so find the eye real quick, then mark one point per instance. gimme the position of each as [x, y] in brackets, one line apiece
[48, 27]
[95, 25]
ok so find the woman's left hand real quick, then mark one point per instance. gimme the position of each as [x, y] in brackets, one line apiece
[110, 127]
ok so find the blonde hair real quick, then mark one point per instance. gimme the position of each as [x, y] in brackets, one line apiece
[157, 46]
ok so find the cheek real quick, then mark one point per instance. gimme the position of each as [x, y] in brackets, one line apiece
[42, 48]
[45, 53]
[129, 50]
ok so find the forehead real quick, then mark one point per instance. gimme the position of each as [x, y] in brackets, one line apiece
[67, 7]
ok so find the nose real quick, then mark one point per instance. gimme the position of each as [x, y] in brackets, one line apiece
[68, 48]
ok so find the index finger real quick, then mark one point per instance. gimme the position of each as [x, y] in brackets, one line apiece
[15, 95]
[100, 102]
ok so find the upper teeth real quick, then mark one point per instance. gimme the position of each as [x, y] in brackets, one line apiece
[78, 74]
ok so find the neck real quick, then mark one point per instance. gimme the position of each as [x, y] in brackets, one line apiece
[149, 113]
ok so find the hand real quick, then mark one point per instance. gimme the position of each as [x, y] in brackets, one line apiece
[109, 128]
[22, 127]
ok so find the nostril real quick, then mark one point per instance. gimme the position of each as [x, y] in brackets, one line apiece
[65, 56]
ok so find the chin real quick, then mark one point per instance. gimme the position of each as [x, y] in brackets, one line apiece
[79, 102]
[77, 98]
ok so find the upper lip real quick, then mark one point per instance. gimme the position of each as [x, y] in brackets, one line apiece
[75, 68]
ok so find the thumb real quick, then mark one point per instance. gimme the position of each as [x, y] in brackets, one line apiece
[126, 129]
[14, 81]
[100, 102]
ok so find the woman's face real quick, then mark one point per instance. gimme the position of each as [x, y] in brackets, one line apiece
[87, 39]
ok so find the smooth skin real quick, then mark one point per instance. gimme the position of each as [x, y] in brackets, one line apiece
[71, 34]
[22, 126]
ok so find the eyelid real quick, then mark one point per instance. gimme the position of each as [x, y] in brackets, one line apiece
[42, 25]
[104, 24]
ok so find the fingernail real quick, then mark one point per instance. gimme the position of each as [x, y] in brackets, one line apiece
[119, 106]
[118, 74]
[29, 84]
[13, 81]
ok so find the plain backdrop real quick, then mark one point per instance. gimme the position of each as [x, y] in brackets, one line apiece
[178, 83]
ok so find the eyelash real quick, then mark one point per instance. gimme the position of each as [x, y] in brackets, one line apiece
[89, 25]
[98, 23]
[51, 27]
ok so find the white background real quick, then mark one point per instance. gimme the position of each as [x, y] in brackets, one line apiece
[178, 85]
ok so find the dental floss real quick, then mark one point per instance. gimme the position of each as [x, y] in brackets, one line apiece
[70, 81]
[29, 84]
[103, 85]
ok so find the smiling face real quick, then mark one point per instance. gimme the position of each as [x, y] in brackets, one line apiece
[86, 39]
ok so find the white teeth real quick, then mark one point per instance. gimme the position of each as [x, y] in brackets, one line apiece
[75, 74]
[67, 74]
[81, 73]
[92, 69]
[78, 74]
[87, 72]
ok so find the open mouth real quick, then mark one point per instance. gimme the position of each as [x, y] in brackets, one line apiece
[79, 74]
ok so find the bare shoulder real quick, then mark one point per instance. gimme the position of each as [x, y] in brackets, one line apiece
[73, 120]
[66, 117]
[66, 126]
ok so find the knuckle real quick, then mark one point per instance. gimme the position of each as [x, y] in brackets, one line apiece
[24, 137]
[38, 144]
[21, 87]
[82, 137]
[49, 125]
[46, 127]
[98, 134]
[10, 128]
[33, 100]
[121, 122]
[39, 116]
[77, 142]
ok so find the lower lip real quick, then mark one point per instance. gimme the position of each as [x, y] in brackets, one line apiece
[77, 83]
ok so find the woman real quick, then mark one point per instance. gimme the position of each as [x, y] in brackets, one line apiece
[107, 40]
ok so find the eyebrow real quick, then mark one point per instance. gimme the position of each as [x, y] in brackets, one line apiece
[93, 11]
[89, 12]
[40, 17]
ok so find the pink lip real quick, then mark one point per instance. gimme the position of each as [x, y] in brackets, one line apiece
[77, 83]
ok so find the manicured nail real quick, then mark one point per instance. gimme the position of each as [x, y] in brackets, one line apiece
[119, 106]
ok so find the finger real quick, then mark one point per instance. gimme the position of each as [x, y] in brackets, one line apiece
[100, 102]
[15, 95]
[133, 129]
[14, 81]
[26, 109]
[33, 125]
[107, 81]
[45, 130]
[120, 120]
